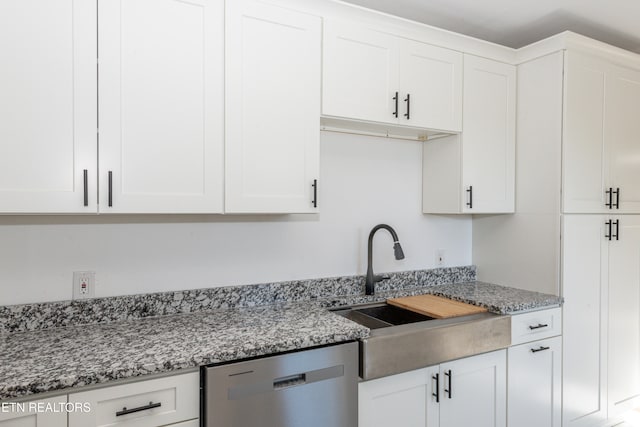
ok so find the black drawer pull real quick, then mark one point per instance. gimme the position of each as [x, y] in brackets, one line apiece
[126, 411]
[541, 348]
[470, 202]
[538, 326]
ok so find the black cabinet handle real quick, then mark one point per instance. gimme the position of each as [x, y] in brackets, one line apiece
[85, 179]
[538, 326]
[126, 411]
[395, 113]
[470, 202]
[314, 202]
[437, 393]
[110, 188]
[608, 224]
[609, 194]
[617, 223]
[408, 101]
[449, 375]
[541, 348]
[617, 198]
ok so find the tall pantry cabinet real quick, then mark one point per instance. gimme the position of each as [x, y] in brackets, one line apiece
[577, 174]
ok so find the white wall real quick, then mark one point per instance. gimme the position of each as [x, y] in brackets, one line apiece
[364, 181]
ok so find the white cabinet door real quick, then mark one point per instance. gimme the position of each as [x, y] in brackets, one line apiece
[396, 400]
[624, 315]
[360, 73]
[622, 138]
[474, 172]
[161, 106]
[272, 109]
[39, 413]
[488, 137]
[584, 277]
[430, 86]
[474, 391]
[48, 126]
[583, 186]
[534, 383]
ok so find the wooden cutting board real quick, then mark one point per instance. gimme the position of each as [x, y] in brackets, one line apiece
[434, 306]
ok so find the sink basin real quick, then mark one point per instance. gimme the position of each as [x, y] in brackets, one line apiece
[402, 340]
[381, 315]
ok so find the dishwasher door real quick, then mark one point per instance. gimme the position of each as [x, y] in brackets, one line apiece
[310, 388]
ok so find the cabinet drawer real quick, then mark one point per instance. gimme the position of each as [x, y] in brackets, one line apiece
[536, 325]
[38, 413]
[142, 404]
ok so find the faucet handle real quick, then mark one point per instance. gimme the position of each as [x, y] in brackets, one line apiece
[379, 278]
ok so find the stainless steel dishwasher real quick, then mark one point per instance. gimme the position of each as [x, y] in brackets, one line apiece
[309, 388]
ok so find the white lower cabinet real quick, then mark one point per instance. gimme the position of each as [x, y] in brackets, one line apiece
[396, 400]
[39, 413]
[470, 391]
[151, 403]
[534, 383]
[473, 391]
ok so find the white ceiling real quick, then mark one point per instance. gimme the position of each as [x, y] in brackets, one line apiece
[516, 23]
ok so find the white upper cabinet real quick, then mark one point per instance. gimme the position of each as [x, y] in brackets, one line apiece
[374, 76]
[600, 143]
[273, 93]
[489, 136]
[622, 138]
[474, 172]
[430, 86]
[161, 106]
[360, 73]
[583, 143]
[48, 106]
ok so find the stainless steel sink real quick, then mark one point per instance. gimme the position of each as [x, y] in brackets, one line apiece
[376, 316]
[402, 340]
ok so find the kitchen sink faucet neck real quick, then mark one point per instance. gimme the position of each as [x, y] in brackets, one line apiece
[372, 279]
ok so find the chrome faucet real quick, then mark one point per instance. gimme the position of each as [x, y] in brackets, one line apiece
[372, 279]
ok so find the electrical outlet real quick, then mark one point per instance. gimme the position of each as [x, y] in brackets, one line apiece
[84, 284]
[440, 257]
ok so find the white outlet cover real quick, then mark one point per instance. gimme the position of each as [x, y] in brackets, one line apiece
[84, 284]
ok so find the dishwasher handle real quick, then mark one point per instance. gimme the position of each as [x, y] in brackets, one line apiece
[289, 381]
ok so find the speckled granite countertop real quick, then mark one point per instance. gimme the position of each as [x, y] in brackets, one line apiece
[59, 358]
[495, 298]
[47, 348]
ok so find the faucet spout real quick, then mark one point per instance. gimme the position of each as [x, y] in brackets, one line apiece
[372, 279]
